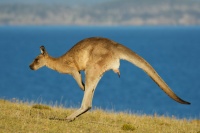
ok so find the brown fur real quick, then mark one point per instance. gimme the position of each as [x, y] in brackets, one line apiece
[96, 56]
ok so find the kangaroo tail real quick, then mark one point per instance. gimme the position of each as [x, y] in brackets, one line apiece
[129, 55]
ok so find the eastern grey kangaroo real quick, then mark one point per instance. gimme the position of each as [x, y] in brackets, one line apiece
[95, 56]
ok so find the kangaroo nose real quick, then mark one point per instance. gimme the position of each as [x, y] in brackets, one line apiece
[31, 67]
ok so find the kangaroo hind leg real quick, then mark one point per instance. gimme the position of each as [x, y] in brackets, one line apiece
[92, 79]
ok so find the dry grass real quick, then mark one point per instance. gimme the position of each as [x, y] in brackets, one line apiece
[18, 117]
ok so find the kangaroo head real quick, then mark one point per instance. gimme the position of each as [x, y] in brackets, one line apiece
[40, 60]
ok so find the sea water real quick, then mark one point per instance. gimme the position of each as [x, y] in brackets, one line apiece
[174, 52]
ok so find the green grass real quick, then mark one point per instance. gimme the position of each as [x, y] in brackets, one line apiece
[40, 106]
[19, 117]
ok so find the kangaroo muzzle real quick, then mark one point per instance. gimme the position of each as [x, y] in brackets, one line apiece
[31, 67]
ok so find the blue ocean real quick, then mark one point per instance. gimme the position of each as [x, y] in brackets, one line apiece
[174, 52]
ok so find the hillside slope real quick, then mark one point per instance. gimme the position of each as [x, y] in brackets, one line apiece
[35, 118]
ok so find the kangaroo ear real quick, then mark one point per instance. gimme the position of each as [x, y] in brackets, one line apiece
[42, 49]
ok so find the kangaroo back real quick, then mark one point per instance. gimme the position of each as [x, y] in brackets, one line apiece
[129, 55]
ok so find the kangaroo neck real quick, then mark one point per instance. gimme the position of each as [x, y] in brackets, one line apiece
[52, 62]
[61, 64]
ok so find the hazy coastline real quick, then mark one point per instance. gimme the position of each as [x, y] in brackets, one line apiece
[128, 12]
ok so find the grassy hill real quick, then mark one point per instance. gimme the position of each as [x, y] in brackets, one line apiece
[36, 118]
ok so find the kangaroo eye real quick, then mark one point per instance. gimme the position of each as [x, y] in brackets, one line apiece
[36, 60]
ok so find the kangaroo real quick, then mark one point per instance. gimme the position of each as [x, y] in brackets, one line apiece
[95, 56]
